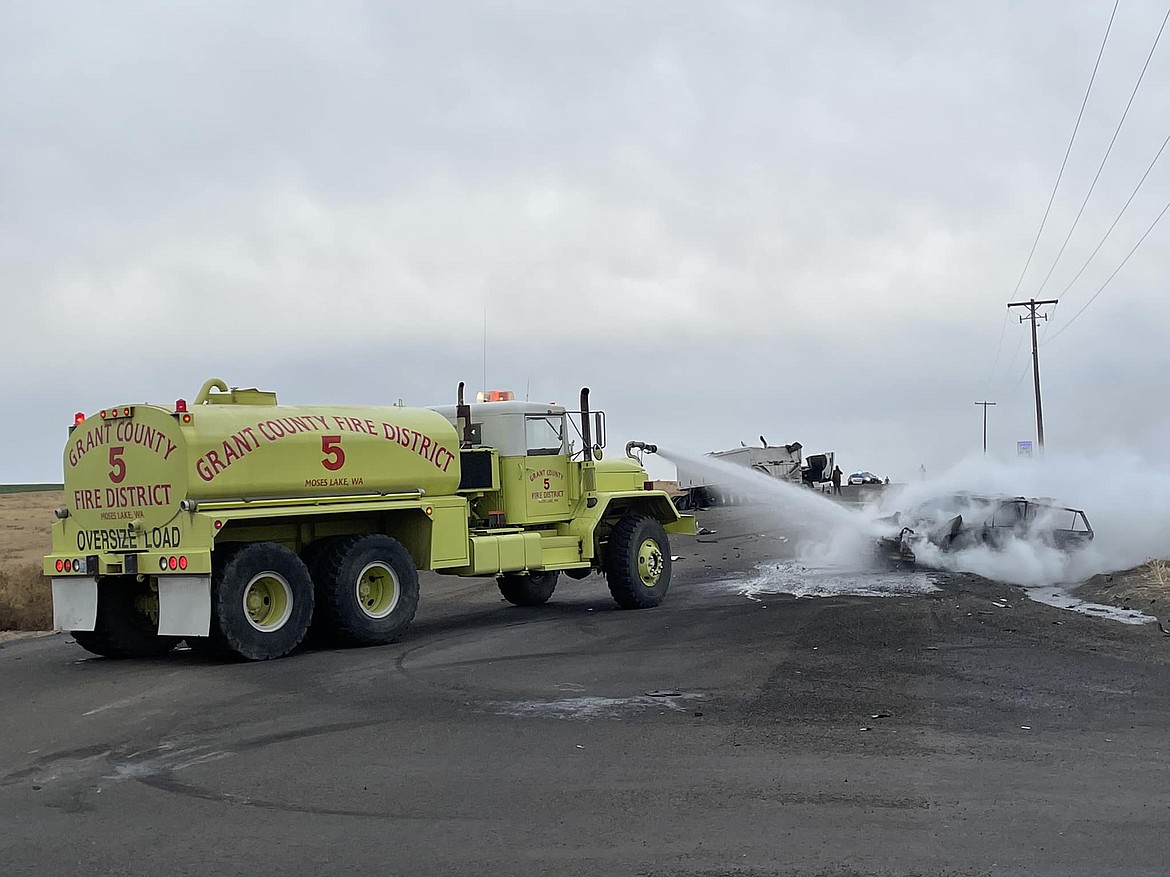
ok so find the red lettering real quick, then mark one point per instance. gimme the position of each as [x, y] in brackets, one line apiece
[229, 453]
[334, 455]
[217, 465]
[117, 464]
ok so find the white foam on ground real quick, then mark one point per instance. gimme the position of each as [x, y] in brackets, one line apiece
[800, 580]
[591, 707]
[1055, 595]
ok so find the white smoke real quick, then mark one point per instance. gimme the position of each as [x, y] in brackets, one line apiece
[1126, 499]
[827, 533]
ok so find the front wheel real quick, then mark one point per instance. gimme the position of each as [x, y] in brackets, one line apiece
[528, 589]
[262, 602]
[127, 622]
[637, 562]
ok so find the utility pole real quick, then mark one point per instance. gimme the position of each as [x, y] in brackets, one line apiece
[1031, 304]
[985, 404]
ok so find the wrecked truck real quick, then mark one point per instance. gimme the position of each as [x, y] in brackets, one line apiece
[953, 522]
[698, 487]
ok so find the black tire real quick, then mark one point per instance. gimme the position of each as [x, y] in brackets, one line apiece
[528, 589]
[637, 562]
[367, 588]
[261, 604]
[127, 622]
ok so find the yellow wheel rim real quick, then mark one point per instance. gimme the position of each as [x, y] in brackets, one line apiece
[377, 590]
[268, 602]
[651, 562]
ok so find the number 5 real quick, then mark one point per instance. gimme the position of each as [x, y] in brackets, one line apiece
[117, 464]
[334, 455]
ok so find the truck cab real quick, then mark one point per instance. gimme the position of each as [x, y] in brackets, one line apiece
[525, 455]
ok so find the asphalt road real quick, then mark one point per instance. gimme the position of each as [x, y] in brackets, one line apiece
[716, 735]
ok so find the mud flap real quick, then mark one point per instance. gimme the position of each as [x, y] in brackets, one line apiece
[75, 602]
[184, 605]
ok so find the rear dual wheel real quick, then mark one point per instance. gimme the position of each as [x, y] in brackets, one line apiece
[261, 604]
[127, 622]
[528, 589]
[367, 590]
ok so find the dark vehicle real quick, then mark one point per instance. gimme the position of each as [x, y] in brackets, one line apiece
[864, 478]
[956, 521]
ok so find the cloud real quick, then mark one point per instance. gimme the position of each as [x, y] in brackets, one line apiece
[803, 221]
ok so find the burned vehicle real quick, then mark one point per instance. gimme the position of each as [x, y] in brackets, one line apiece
[953, 522]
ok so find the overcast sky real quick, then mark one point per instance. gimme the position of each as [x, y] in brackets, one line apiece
[802, 220]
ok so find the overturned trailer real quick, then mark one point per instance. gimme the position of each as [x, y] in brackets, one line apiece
[700, 486]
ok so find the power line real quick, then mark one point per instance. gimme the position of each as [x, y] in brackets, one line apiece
[1019, 343]
[1105, 158]
[1023, 374]
[998, 350]
[1111, 276]
[1124, 207]
[1064, 163]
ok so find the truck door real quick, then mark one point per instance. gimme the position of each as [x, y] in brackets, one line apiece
[546, 468]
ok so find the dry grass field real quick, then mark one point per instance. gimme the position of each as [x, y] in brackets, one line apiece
[25, 522]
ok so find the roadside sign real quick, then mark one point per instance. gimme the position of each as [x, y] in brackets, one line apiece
[1024, 449]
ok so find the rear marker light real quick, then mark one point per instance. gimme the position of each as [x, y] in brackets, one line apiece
[218, 524]
[60, 565]
[173, 563]
[186, 418]
[183, 561]
[103, 414]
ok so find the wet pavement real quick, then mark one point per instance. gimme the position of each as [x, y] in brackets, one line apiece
[949, 726]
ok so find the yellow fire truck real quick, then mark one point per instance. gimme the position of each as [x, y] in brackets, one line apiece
[235, 523]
